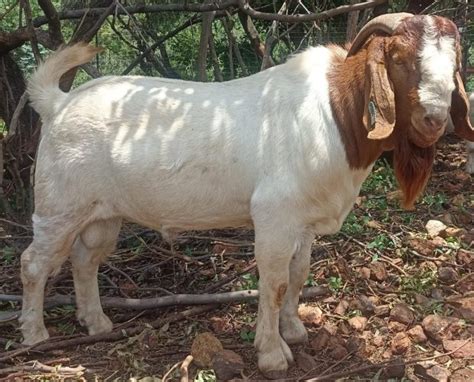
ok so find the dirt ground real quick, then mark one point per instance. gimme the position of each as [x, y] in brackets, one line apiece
[399, 303]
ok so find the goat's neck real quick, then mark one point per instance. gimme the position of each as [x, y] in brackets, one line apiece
[347, 87]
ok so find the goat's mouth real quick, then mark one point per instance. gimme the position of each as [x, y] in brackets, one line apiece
[423, 136]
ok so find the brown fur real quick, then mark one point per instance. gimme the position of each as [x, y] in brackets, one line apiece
[281, 291]
[383, 70]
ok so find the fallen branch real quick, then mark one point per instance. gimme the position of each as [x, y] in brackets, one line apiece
[183, 370]
[173, 300]
[115, 335]
[358, 370]
[30, 366]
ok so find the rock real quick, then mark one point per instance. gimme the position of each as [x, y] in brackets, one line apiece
[435, 228]
[400, 343]
[430, 372]
[358, 323]
[341, 308]
[338, 352]
[422, 246]
[305, 362]
[435, 326]
[379, 340]
[205, 346]
[364, 304]
[395, 326]
[355, 344]
[364, 273]
[310, 314]
[382, 310]
[455, 232]
[437, 294]
[466, 284]
[321, 340]
[462, 375]
[439, 242]
[417, 334]
[378, 271]
[402, 313]
[227, 365]
[464, 307]
[394, 371]
[447, 275]
[447, 218]
[461, 348]
[466, 258]
[424, 301]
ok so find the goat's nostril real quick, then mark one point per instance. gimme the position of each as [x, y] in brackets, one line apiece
[434, 123]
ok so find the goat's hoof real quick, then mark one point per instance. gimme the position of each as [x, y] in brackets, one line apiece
[293, 331]
[98, 324]
[274, 364]
[33, 336]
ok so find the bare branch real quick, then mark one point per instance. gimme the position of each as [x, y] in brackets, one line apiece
[206, 31]
[53, 21]
[29, 23]
[173, 300]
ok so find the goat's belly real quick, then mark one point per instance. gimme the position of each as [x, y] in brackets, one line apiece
[186, 208]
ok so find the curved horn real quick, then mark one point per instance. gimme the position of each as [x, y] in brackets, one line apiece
[384, 23]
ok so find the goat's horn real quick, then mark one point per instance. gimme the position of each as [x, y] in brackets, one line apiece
[384, 23]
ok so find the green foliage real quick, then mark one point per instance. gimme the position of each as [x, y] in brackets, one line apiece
[205, 376]
[436, 201]
[381, 180]
[247, 335]
[352, 225]
[420, 282]
[8, 255]
[380, 242]
[250, 281]
[335, 283]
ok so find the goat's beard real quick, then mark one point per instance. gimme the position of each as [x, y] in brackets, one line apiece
[412, 166]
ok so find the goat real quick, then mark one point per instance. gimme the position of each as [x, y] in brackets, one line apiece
[469, 145]
[284, 151]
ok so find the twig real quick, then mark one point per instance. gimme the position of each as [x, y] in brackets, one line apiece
[215, 286]
[38, 366]
[183, 370]
[168, 373]
[177, 299]
[16, 116]
[357, 370]
[115, 335]
[29, 22]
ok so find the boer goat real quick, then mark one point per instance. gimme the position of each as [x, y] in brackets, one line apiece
[284, 151]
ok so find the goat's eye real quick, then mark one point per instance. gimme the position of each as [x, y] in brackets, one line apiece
[397, 59]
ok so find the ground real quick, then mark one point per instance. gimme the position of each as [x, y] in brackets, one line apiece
[399, 305]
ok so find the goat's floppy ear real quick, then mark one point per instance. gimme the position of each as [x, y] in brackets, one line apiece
[379, 111]
[460, 111]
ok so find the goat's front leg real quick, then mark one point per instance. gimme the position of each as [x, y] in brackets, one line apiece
[291, 327]
[273, 250]
[470, 157]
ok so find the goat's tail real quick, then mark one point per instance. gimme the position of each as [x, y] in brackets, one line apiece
[43, 87]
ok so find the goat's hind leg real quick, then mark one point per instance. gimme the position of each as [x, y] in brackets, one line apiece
[91, 247]
[291, 327]
[44, 256]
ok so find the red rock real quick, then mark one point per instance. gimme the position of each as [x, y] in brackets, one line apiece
[382, 310]
[305, 362]
[447, 275]
[358, 323]
[435, 326]
[364, 273]
[466, 284]
[227, 365]
[400, 343]
[417, 334]
[402, 313]
[310, 314]
[205, 346]
[462, 375]
[432, 373]
[321, 340]
[378, 271]
[461, 348]
[341, 308]
[396, 327]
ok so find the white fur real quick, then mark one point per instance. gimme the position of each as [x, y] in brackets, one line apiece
[437, 59]
[262, 151]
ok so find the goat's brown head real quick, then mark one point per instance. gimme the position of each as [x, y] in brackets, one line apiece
[412, 83]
